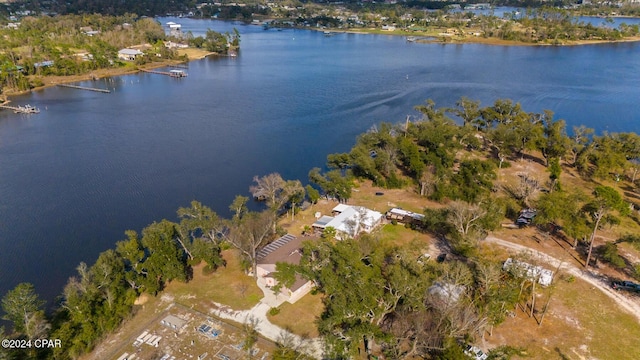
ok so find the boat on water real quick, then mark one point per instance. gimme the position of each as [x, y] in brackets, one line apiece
[411, 38]
[26, 109]
[177, 73]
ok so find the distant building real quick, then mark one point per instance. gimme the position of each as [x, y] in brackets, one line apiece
[46, 63]
[173, 322]
[174, 45]
[129, 54]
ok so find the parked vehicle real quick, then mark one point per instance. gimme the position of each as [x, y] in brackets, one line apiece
[475, 353]
[625, 285]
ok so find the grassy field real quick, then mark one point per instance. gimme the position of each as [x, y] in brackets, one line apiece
[300, 318]
[581, 323]
[228, 285]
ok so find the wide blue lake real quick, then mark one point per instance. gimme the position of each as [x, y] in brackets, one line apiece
[89, 166]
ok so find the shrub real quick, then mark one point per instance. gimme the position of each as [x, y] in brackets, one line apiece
[274, 311]
[610, 255]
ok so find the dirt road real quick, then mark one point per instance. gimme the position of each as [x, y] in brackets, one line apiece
[599, 282]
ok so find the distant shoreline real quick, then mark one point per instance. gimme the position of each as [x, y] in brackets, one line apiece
[440, 39]
[198, 54]
[50, 81]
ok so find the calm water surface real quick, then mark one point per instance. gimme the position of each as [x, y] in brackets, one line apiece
[92, 165]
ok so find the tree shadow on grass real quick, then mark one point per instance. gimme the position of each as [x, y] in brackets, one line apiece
[561, 354]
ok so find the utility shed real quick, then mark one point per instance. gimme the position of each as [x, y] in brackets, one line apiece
[173, 322]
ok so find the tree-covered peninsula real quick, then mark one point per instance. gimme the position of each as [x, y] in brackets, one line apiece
[469, 170]
[72, 45]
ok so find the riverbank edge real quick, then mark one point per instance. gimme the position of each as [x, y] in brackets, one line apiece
[440, 39]
[197, 54]
[50, 81]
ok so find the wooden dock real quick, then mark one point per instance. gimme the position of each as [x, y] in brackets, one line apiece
[172, 73]
[27, 109]
[84, 88]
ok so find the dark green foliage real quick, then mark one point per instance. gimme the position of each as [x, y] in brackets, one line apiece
[164, 260]
[215, 42]
[312, 193]
[208, 252]
[274, 311]
[609, 253]
[333, 183]
[110, 7]
[20, 305]
[95, 302]
[473, 180]
[435, 221]
[631, 239]
[452, 351]
[506, 352]
[554, 173]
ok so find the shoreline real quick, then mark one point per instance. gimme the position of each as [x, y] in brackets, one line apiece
[439, 39]
[198, 54]
[50, 81]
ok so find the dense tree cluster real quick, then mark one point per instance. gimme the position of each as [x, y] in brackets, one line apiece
[379, 298]
[119, 7]
[452, 154]
[101, 296]
[445, 158]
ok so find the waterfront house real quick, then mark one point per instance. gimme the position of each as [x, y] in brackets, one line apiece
[129, 54]
[349, 221]
[286, 249]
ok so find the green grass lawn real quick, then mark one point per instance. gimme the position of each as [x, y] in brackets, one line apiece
[398, 235]
[299, 318]
[227, 285]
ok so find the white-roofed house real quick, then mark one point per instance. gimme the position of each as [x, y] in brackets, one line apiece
[349, 221]
[129, 54]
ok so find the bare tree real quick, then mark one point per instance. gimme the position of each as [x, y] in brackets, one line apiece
[268, 188]
[251, 233]
[427, 180]
[464, 216]
[526, 188]
[294, 192]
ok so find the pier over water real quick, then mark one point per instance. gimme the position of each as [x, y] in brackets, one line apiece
[84, 88]
[21, 109]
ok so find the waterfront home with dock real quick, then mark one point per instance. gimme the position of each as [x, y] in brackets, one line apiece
[129, 54]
